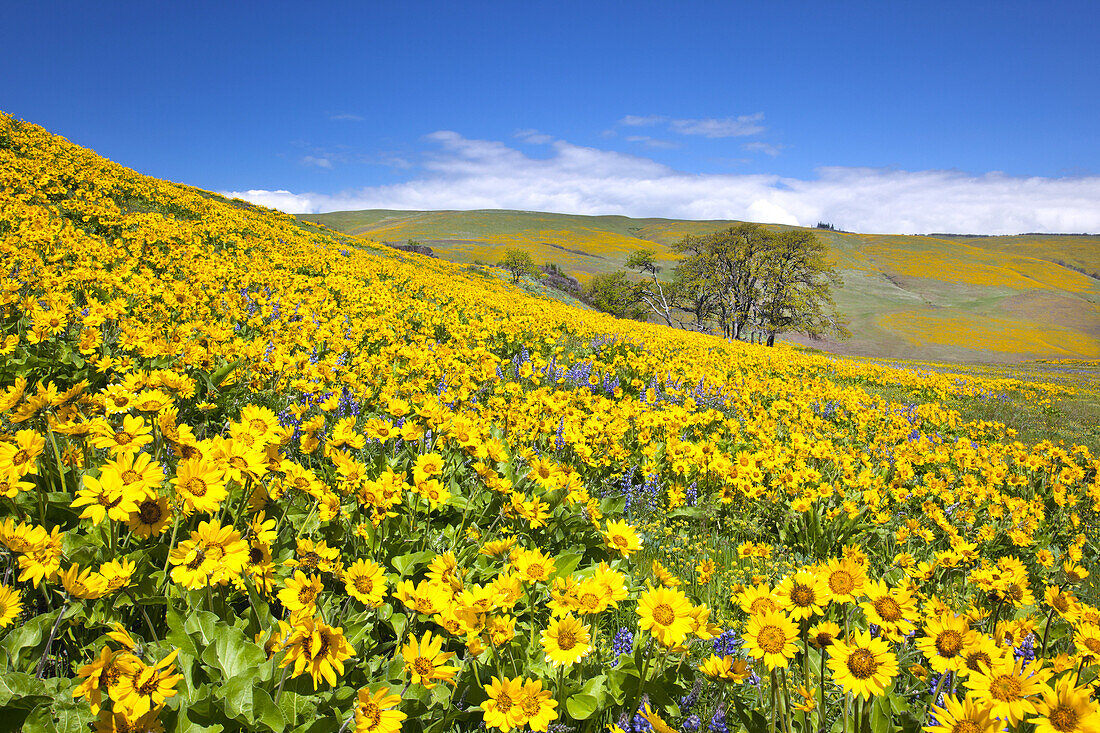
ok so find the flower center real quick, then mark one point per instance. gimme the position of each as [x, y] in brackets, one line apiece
[824, 638]
[306, 594]
[129, 476]
[530, 705]
[663, 614]
[196, 486]
[966, 726]
[620, 541]
[1093, 644]
[760, 605]
[887, 608]
[973, 661]
[370, 712]
[1005, 687]
[802, 595]
[503, 702]
[363, 584]
[1063, 718]
[862, 663]
[949, 643]
[771, 639]
[841, 582]
[123, 438]
[150, 512]
[20, 457]
[423, 667]
[566, 640]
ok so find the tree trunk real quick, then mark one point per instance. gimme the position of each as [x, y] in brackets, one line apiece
[771, 338]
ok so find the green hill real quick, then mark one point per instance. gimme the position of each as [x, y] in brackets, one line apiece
[954, 297]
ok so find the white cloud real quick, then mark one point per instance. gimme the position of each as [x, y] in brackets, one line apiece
[713, 127]
[742, 126]
[345, 117]
[651, 142]
[642, 120]
[534, 137]
[319, 162]
[485, 174]
[762, 147]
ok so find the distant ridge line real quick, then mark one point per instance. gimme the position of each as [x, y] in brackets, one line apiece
[1023, 234]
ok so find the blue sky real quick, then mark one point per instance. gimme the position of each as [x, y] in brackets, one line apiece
[877, 116]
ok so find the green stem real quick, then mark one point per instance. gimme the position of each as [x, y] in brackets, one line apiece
[786, 702]
[821, 693]
[935, 694]
[171, 546]
[775, 699]
[53, 633]
[144, 615]
[1046, 634]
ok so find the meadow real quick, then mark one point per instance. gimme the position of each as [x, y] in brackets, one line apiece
[260, 475]
[937, 297]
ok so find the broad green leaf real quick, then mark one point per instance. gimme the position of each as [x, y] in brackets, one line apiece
[581, 706]
[881, 716]
[296, 708]
[566, 563]
[407, 563]
[232, 653]
[23, 641]
[203, 626]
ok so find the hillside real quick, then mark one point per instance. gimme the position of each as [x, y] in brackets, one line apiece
[951, 297]
[259, 475]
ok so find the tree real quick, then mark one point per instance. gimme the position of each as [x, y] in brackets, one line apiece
[651, 294]
[694, 285]
[796, 282]
[613, 293]
[724, 270]
[518, 262]
[753, 279]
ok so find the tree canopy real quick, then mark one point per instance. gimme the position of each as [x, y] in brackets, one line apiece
[747, 278]
[518, 262]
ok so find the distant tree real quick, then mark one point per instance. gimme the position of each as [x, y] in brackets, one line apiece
[728, 263]
[795, 293]
[650, 294]
[755, 280]
[693, 286]
[518, 262]
[613, 293]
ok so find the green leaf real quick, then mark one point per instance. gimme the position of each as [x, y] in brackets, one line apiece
[407, 563]
[21, 691]
[566, 563]
[264, 710]
[24, 640]
[233, 654]
[203, 626]
[613, 505]
[62, 715]
[249, 704]
[881, 716]
[296, 708]
[581, 706]
[752, 720]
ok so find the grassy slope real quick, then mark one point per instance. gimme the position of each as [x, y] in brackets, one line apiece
[926, 297]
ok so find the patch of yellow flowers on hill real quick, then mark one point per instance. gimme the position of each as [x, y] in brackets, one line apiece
[253, 474]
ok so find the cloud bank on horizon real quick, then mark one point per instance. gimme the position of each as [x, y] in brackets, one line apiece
[464, 173]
